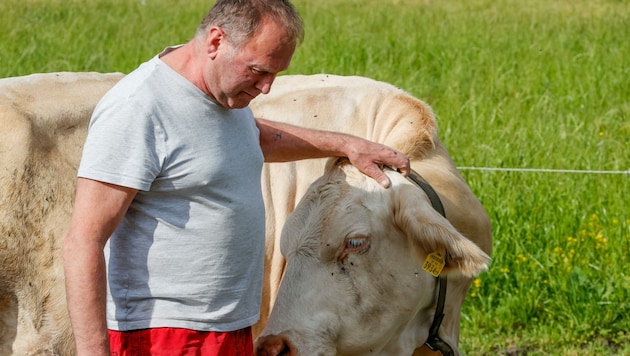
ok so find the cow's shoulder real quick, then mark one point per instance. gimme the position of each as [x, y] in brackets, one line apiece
[47, 114]
[48, 102]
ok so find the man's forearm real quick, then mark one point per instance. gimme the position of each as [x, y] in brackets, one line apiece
[86, 294]
[282, 142]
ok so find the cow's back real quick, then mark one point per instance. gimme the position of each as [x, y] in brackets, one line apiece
[43, 122]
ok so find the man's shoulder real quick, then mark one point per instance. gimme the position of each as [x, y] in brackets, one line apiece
[145, 75]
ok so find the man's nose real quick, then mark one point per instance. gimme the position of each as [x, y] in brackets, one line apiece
[264, 84]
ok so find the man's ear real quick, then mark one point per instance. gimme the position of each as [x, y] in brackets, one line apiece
[429, 232]
[214, 40]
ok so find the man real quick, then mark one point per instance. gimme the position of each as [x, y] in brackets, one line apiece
[166, 242]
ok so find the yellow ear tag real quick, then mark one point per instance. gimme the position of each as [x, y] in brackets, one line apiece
[434, 263]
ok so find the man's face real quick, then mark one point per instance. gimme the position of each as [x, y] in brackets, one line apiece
[250, 70]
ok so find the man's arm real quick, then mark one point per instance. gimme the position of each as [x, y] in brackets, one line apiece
[282, 142]
[98, 209]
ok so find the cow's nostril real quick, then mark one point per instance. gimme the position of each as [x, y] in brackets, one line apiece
[286, 351]
[273, 345]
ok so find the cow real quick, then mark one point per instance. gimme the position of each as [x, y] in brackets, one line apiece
[335, 297]
[43, 120]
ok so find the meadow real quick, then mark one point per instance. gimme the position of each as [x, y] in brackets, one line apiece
[532, 84]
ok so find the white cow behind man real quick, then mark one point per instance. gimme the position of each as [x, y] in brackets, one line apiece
[351, 246]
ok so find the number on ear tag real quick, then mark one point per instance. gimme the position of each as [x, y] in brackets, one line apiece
[434, 263]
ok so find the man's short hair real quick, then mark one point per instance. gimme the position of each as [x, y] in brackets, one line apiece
[240, 19]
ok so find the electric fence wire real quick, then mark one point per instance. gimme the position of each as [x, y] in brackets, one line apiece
[542, 170]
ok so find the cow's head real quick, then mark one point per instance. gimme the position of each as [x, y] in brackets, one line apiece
[354, 278]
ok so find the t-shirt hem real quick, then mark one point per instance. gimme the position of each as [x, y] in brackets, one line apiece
[183, 324]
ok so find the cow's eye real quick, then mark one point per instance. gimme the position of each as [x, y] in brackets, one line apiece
[356, 243]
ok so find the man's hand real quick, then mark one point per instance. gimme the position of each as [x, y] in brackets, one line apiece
[369, 157]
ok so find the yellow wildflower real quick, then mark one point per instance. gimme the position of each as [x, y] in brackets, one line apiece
[477, 282]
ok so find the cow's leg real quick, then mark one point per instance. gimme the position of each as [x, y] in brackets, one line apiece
[28, 340]
[43, 325]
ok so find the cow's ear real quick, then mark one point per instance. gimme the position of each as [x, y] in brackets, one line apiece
[429, 232]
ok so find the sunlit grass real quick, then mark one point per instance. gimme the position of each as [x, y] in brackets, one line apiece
[529, 84]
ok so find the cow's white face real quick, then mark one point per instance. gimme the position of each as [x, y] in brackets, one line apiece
[354, 279]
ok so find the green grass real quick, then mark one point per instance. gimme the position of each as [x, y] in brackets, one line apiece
[518, 84]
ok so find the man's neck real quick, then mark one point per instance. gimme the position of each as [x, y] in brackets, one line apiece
[184, 60]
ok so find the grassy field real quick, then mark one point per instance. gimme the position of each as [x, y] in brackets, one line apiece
[537, 84]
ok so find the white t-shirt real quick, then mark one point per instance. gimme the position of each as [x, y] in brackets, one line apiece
[189, 251]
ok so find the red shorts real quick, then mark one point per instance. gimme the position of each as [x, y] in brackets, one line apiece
[180, 342]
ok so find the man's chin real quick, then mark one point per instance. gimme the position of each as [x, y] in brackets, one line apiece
[240, 102]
